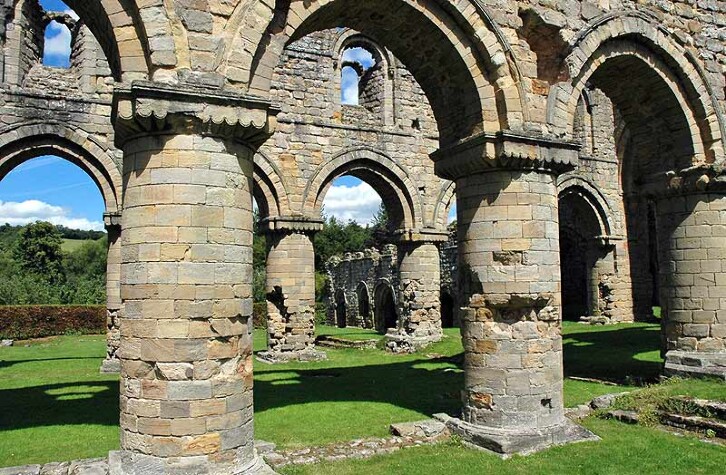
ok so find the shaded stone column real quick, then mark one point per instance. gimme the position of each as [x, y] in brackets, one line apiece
[111, 363]
[509, 281]
[419, 294]
[186, 284]
[290, 290]
[692, 242]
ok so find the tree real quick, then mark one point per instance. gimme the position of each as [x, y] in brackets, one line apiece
[38, 250]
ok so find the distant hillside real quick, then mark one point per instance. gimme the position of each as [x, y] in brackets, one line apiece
[73, 237]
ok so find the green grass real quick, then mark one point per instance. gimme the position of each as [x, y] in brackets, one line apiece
[623, 450]
[70, 245]
[55, 406]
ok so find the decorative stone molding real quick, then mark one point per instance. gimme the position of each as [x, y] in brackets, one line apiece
[419, 236]
[149, 108]
[698, 179]
[291, 224]
[505, 151]
[112, 220]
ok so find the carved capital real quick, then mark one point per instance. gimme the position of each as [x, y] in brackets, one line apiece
[419, 236]
[505, 151]
[151, 108]
[693, 180]
[112, 220]
[290, 225]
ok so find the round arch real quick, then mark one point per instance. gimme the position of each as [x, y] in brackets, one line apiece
[341, 309]
[570, 185]
[444, 202]
[640, 36]
[384, 302]
[119, 30]
[478, 90]
[269, 188]
[390, 180]
[364, 302]
[28, 141]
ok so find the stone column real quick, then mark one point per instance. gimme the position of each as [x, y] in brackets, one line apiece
[186, 285]
[692, 242]
[593, 279]
[111, 363]
[290, 290]
[509, 281]
[419, 294]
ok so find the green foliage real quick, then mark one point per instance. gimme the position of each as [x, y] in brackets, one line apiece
[34, 270]
[339, 238]
[38, 251]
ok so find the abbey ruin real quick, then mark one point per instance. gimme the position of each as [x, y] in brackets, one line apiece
[582, 142]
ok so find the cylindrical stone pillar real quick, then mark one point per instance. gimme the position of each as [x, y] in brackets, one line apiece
[419, 297]
[509, 278]
[290, 290]
[692, 242]
[186, 338]
[111, 363]
[593, 279]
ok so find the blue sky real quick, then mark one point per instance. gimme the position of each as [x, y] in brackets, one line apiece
[57, 37]
[52, 189]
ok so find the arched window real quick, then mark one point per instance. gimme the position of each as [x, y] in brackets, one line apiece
[355, 77]
[57, 45]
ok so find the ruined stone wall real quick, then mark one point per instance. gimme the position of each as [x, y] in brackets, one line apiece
[347, 273]
[314, 127]
[71, 101]
[539, 32]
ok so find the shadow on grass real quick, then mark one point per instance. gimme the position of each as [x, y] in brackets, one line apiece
[93, 402]
[413, 385]
[622, 355]
[8, 363]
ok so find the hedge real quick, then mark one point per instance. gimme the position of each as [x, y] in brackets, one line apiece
[37, 321]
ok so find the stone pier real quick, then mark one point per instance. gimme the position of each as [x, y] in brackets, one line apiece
[692, 242]
[509, 278]
[186, 338]
[111, 363]
[419, 306]
[290, 289]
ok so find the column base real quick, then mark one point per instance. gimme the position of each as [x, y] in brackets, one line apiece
[507, 442]
[123, 462]
[693, 364]
[402, 343]
[303, 356]
[111, 366]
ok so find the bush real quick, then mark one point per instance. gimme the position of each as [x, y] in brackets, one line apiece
[37, 321]
[259, 315]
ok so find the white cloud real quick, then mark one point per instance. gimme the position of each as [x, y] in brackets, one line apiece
[57, 43]
[361, 55]
[22, 213]
[349, 86]
[71, 14]
[359, 203]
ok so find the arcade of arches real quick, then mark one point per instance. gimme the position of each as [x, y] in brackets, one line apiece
[582, 135]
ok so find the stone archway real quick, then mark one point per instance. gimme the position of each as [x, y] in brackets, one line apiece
[364, 304]
[27, 141]
[386, 317]
[341, 310]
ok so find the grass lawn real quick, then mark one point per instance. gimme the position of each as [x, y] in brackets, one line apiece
[70, 245]
[55, 406]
